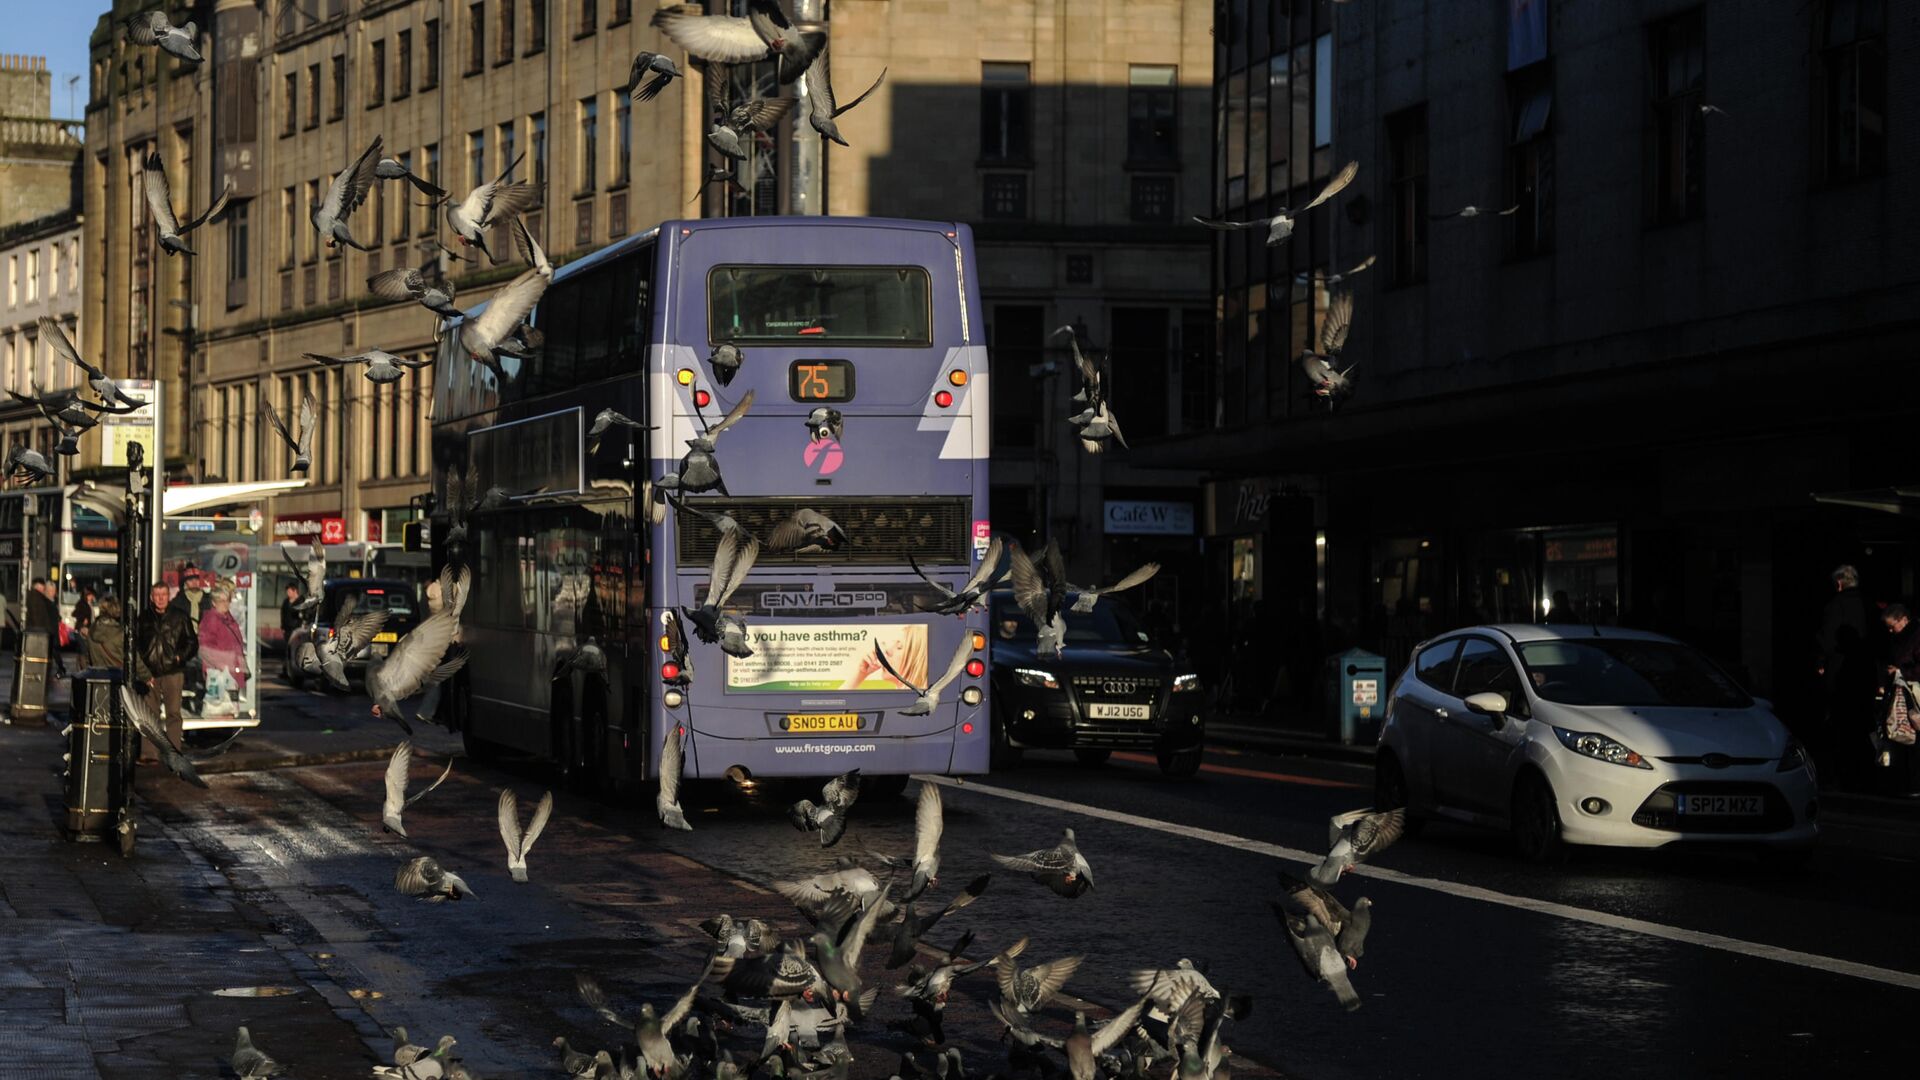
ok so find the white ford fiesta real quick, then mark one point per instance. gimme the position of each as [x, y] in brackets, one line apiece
[1591, 735]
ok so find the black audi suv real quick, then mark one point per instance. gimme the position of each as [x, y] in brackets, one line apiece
[1111, 688]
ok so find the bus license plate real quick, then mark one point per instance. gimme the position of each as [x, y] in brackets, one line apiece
[1722, 805]
[1120, 712]
[821, 723]
[385, 637]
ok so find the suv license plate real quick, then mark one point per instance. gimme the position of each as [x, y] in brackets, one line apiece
[1721, 805]
[1120, 712]
[815, 723]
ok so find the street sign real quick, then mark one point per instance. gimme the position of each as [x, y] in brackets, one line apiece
[142, 425]
[1131, 517]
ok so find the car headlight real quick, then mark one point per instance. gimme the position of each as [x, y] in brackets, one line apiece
[1035, 677]
[1182, 683]
[1595, 745]
[1794, 758]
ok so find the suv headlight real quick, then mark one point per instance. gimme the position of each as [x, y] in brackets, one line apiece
[1595, 745]
[1182, 683]
[1044, 680]
[1794, 758]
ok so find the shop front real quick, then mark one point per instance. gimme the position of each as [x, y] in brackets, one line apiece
[325, 526]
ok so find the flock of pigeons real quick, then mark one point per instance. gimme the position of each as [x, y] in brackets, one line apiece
[804, 994]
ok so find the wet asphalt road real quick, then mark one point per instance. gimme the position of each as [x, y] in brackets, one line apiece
[1494, 983]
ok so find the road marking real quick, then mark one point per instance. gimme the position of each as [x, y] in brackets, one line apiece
[1235, 770]
[1832, 965]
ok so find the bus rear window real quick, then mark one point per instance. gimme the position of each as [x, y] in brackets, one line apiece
[848, 305]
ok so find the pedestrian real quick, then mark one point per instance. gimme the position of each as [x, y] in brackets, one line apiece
[83, 611]
[167, 641]
[107, 639]
[1903, 659]
[194, 601]
[1848, 679]
[223, 654]
[44, 614]
[289, 613]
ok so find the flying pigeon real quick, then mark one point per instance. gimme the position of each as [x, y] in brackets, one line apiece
[663, 70]
[420, 659]
[1041, 593]
[488, 205]
[667, 801]
[930, 694]
[810, 895]
[717, 174]
[142, 717]
[929, 821]
[970, 595]
[1280, 226]
[248, 1061]
[1354, 837]
[397, 799]
[529, 249]
[423, 878]
[483, 335]
[109, 390]
[1473, 212]
[393, 169]
[907, 932]
[807, 532]
[732, 130]
[1085, 598]
[650, 1028]
[166, 226]
[153, 28]
[344, 196]
[837, 947]
[1165, 988]
[1061, 868]
[821, 110]
[1026, 991]
[699, 468]
[1095, 422]
[765, 33]
[29, 465]
[1351, 939]
[408, 283]
[676, 638]
[829, 818]
[1319, 957]
[313, 574]
[302, 446]
[519, 843]
[1327, 381]
[1306, 898]
[352, 634]
[1330, 280]
[606, 419]
[732, 560]
[382, 366]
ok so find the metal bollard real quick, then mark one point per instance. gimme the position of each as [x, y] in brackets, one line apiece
[101, 745]
[30, 680]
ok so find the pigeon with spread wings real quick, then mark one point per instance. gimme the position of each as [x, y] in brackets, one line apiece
[301, 445]
[929, 821]
[662, 68]
[733, 559]
[154, 28]
[382, 366]
[1041, 593]
[395, 169]
[699, 468]
[764, 33]
[666, 802]
[141, 715]
[166, 226]
[420, 659]
[930, 694]
[110, 391]
[482, 336]
[1354, 837]
[520, 842]
[822, 111]
[1061, 867]
[344, 196]
[1085, 597]
[1328, 381]
[418, 285]
[1280, 226]
[829, 816]
[397, 800]
[972, 593]
[489, 205]
[352, 634]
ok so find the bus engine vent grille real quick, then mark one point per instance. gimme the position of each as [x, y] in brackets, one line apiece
[880, 529]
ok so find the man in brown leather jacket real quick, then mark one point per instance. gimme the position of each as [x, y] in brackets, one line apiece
[167, 641]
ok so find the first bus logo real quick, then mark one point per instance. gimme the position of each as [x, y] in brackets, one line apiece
[824, 457]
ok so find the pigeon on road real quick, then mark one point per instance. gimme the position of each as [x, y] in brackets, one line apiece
[423, 878]
[1319, 956]
[249, 1061]
[1354, 837]
[397, 799]
[1061, 867]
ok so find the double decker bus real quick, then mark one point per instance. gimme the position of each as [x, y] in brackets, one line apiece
[877, 319]
[67, 542]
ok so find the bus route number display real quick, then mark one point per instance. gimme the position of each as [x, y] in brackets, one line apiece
[820, 380]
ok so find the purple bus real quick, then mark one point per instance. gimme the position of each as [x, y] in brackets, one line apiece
[877, 319]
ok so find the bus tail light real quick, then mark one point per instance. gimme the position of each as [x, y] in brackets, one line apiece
[971, 695]
[966, 728]
[666, 643]
[975, 668]
[702, 399]
[979, 641]
[685, 376]
[943, 399]
[957, 377]
[669, 670]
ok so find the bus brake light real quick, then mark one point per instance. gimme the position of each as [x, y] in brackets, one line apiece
[669, 670]
[702, 399]
[975, 668]
[943, 399]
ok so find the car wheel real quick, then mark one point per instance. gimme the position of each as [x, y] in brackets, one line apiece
[1093, 757]
[1180, 764]
[1536, 820]
[1390, 789]
[1002, 754]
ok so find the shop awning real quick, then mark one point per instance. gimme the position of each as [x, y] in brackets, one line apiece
[189, 497]
[1903, 500]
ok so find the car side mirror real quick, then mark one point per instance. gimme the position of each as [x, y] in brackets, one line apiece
[1489, 703]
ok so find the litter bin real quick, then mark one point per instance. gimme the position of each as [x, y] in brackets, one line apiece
[1356, 688]
[30, 680]
[101, 745]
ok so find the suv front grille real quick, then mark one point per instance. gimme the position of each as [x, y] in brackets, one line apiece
[1117, 689]
[881, 529]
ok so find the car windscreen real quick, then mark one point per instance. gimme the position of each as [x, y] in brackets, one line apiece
[795, 305]
[1617, 671]
[396, 599]
[1107, 624]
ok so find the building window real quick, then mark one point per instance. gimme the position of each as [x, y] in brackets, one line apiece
[1006, 107]
[1004, 196]
[13, 280]
[290, 104]
[1850, 89]
[309, 246]
[617, 215]
[433, 177]
[536, 26]
[377, 214]
[239, 228]
[337, 75]
[431, 77]
[1676, 157]
[33, 274]
[476, 158]
[1152, 198]
[1322, 97]
[538, 123]
[589, 17]
[1407, 180]
[313, 96]
[589, 140]
[1152, 131]
[503, 50]
[403, 65]
[1017, 345]
[509, 144]
[289, 226]
[623, 130]
[622, 11]
[1234, 117]
[377, 70]
[1530, 160]
[403, 220]
[476, 38]
[583, 223]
